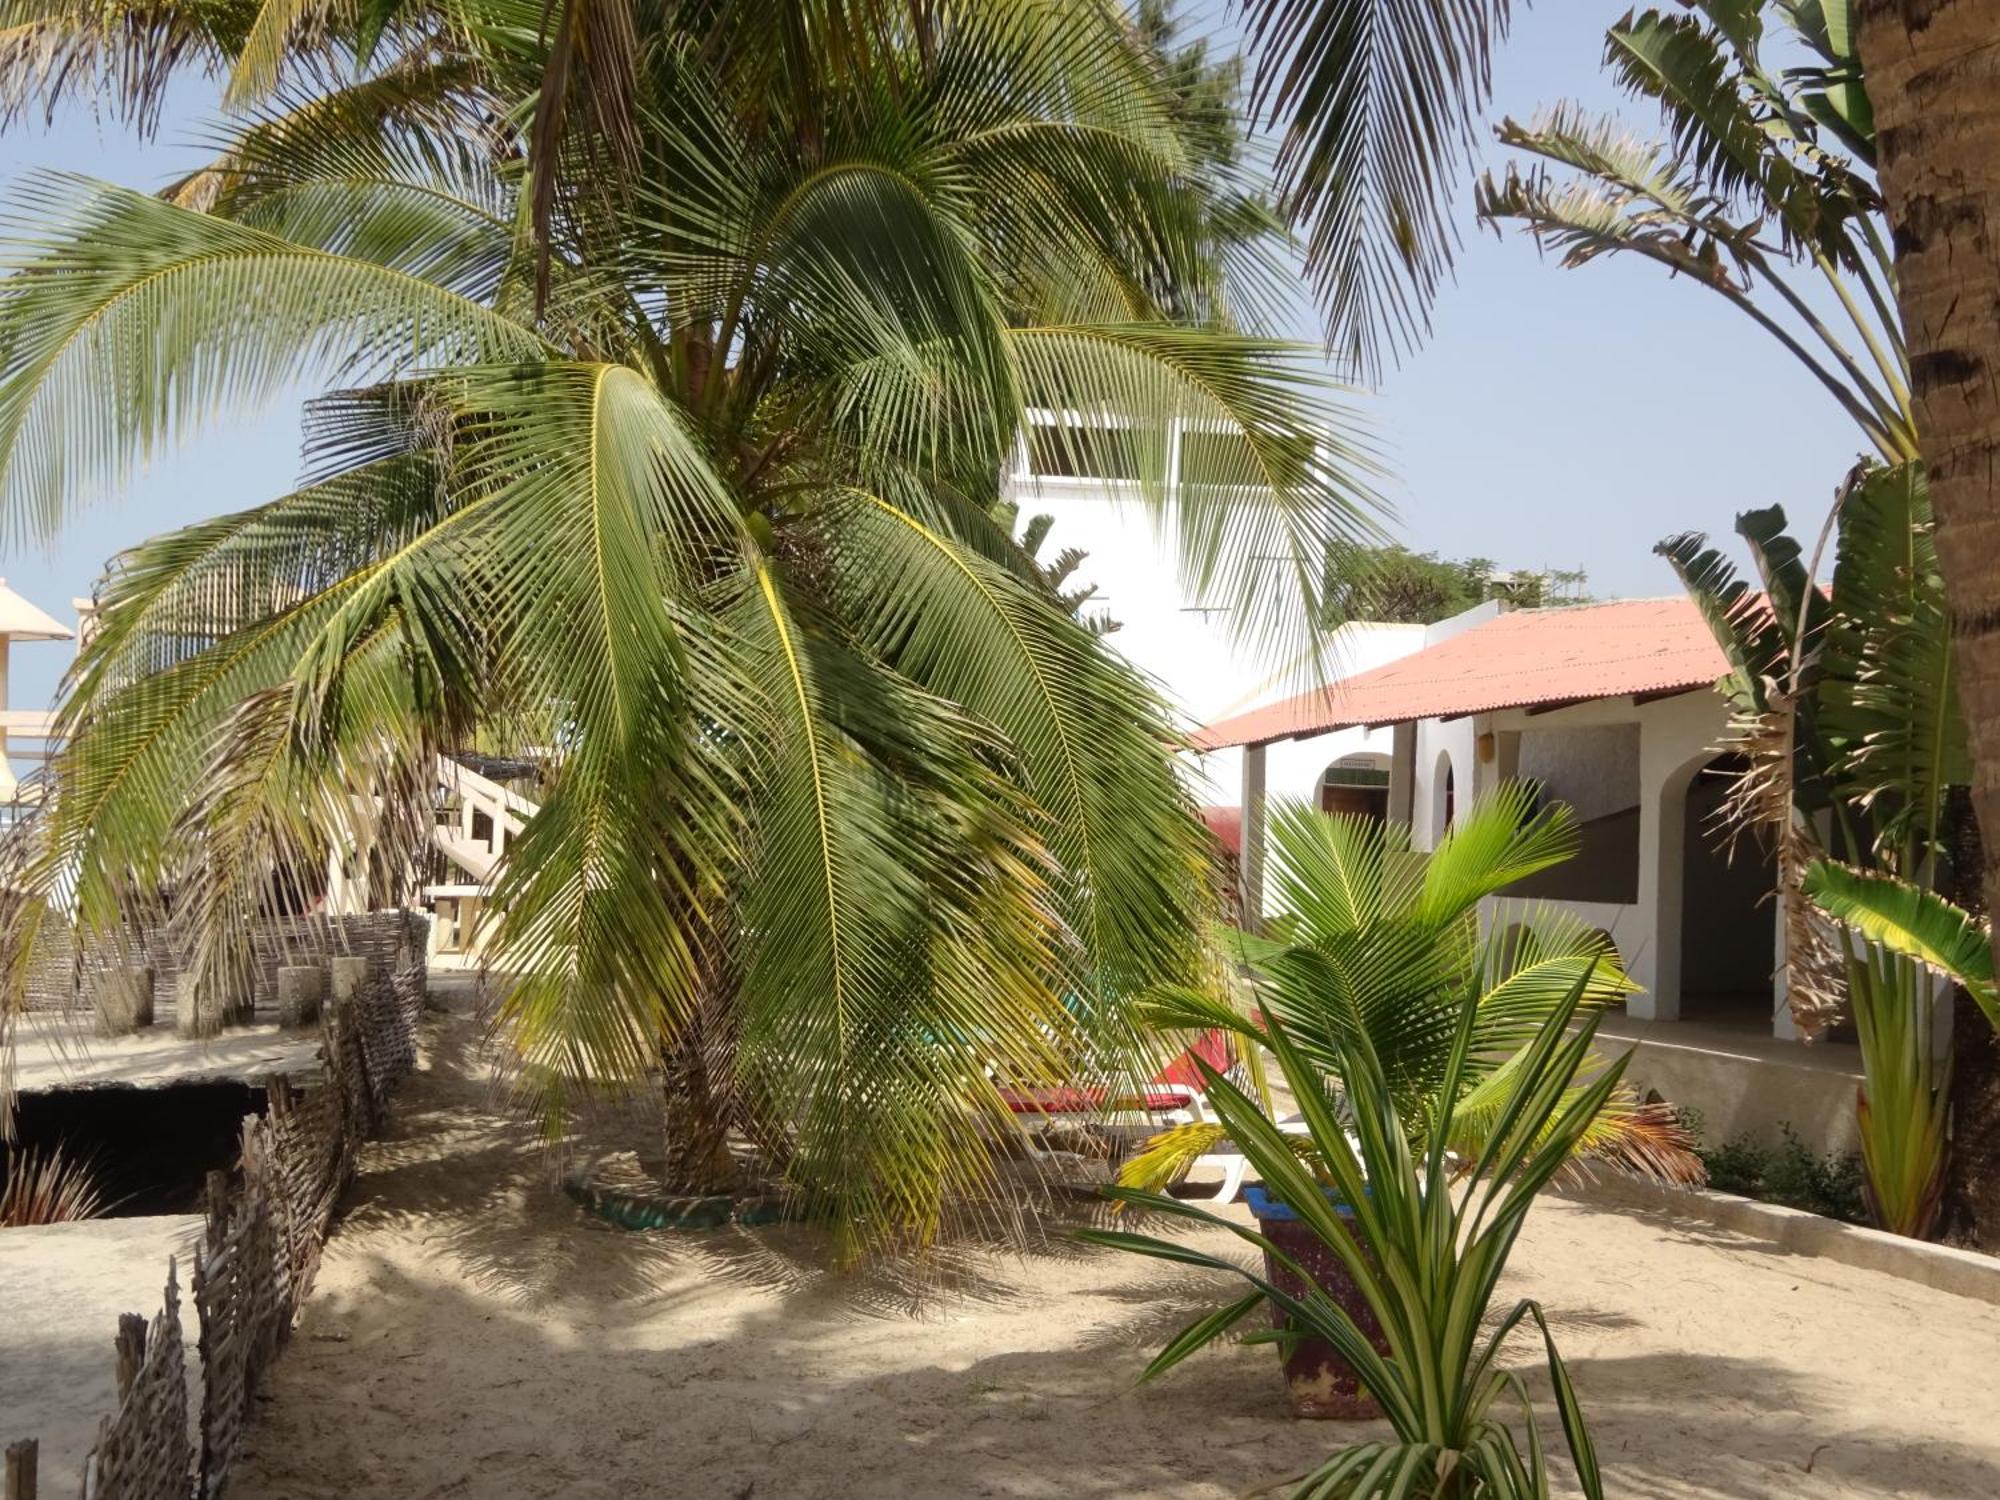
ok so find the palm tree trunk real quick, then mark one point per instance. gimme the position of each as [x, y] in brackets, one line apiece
[700, 1101]
[1933, 72]
[1972, 1173]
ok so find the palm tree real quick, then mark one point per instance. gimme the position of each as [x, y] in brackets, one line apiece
[672, 441]
[1931, 84]
[1845, 705]
[1763, 194]
[1846, 708]
[1378, 941]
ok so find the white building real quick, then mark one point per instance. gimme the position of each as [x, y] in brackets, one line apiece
[1184, 642]
[25, 733]
[1612, 709]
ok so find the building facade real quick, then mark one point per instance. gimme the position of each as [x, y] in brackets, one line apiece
[1612, 710]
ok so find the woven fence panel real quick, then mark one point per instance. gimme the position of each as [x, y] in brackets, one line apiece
[240, 1286]
[64, 977]
[304, 1153]
[388, 1011]
[142, 1450]
[52, 973]
[345, 1050]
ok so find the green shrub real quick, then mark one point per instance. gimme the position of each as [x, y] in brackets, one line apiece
[1792, 1173]
[1826, 1183]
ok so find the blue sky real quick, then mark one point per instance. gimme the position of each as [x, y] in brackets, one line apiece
[1555, 418]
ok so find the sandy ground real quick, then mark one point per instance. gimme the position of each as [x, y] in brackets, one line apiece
[62, 1287]
[63, 1053]
[472, 1334]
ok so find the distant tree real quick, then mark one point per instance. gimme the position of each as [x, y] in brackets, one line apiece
[1400, 587]
[1058, 570]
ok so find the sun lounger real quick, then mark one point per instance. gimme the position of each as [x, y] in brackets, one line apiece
[1174, 1096]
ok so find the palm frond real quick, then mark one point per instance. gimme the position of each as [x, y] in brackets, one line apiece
[1913, 922]
[128, 320]
[1375, 101]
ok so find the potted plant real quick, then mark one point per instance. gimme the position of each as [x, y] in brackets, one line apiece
[1321, 1382]
[1377, 942]
[1422, 1239]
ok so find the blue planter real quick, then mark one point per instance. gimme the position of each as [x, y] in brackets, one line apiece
[1273, 1210]
[1322, 1384]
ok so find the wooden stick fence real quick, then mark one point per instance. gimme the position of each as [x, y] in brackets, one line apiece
[265, 1226]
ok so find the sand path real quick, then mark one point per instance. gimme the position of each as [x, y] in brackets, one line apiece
[472, 1334]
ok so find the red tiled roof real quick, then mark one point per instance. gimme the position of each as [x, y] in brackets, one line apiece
[1526, 658]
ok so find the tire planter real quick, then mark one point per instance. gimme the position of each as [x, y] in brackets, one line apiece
[633, 1209]
[1322, 1384]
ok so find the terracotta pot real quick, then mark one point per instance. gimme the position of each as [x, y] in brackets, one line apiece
[1322, 1384]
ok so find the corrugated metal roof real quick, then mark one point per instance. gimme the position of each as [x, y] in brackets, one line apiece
[1524, 659]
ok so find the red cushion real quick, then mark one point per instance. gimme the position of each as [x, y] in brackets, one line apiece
[1059, 1101]
[1212, 1047]
[1074, 1101]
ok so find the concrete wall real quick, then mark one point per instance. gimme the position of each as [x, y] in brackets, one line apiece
[1604, 869]
[1677, 736]
[1745, 1086]
[1594, 769]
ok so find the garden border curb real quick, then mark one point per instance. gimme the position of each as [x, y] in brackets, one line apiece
[1943, 1268]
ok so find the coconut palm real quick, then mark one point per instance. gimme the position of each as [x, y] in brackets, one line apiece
[1376, 940]
[1846, 708]
[846, 818]
[1763, 194]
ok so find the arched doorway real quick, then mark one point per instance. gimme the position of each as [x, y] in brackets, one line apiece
[1444, 797]
[1727, 927]
[1357, 785]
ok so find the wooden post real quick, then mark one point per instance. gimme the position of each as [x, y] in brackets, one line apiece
[21, 1462]
[215, 1207]
[131, 1351]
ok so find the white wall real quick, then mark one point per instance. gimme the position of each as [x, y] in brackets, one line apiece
[1184, 643]
[1595, 770]
[1677, 737]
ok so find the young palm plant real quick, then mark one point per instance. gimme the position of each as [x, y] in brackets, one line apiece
[1377, 940]
[687, 471]
[47, 1185]
[1845, 705]
[1424, 1235]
